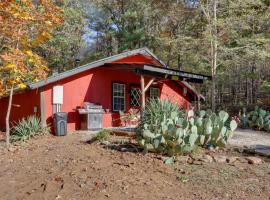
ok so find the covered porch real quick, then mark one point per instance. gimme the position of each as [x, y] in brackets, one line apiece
[153, 75]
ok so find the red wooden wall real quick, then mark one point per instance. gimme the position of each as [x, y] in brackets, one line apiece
[94, 86]
[23, 106]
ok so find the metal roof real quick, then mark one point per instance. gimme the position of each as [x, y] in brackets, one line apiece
[92, 65]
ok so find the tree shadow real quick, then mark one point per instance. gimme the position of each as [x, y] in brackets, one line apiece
[127, 147]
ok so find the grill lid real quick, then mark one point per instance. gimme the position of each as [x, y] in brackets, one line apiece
[88, 105]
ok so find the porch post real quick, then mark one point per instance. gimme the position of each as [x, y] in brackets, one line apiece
[143, 92]
[199, 103]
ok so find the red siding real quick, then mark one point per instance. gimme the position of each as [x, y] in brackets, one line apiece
[26, 102]
[91, 86]
[175, 94]
[96, 86]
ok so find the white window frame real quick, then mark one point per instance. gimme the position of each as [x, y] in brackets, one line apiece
[115, 96]
[151, 90]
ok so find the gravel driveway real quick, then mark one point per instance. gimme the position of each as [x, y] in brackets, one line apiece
[257, 140]
[247, 137]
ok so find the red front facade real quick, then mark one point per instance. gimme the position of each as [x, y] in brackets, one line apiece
[93, 85]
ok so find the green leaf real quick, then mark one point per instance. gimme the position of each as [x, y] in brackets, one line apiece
[192, 138]
[148, 134]
[169, 161]
[156, 143]
[233, 125]
[202, 139]
[223, 116]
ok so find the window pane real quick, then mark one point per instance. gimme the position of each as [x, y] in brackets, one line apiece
[118, 97]
[154, 93]
[135, 97]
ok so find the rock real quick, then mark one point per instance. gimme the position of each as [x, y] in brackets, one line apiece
[220, 159]
[211, 147]
[107, 195]
[239, 149]
[123, 149]
[254, 160]
[84, 169]
[242, 160]
[106, 143]
[197, 162]
[12, 149]
[164, 158]
[206, 159]
[183, 159]
[232, 159]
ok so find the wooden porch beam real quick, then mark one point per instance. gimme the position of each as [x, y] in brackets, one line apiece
[149, 84]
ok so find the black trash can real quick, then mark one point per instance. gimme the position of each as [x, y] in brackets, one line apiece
[60, 123]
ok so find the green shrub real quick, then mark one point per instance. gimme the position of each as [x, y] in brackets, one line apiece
[166, 129]
[101, 135]
[27, 128]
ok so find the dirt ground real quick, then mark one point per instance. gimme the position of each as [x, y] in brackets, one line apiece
[69, 168]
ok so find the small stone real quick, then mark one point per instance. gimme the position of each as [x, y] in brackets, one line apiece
[183, 159]
[197, 162]
[220, 159]
[123, 149]
[211, 147]
[12, 149]
[164, 158]
[232, 159]
[190, 161]
[239, 149]
[254, 160]
[206, 159]
[10, 160]
[84, 169]
[106, 143]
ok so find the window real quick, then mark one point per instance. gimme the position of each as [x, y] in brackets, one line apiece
[135, 97]
[118, 97]
[154, 93]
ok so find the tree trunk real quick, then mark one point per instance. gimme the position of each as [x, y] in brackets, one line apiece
[8, 117]
[214, 46]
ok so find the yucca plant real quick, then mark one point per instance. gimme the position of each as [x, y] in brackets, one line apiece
[27, 128]
[155, 112]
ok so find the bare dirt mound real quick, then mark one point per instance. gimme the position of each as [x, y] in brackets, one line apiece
[69, 168]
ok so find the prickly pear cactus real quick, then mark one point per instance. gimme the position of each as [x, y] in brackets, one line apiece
[174, 133]
[258, 119]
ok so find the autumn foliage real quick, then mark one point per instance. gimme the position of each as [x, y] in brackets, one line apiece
[24, 25]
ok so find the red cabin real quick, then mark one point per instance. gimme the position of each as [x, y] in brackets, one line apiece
[115, 83]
